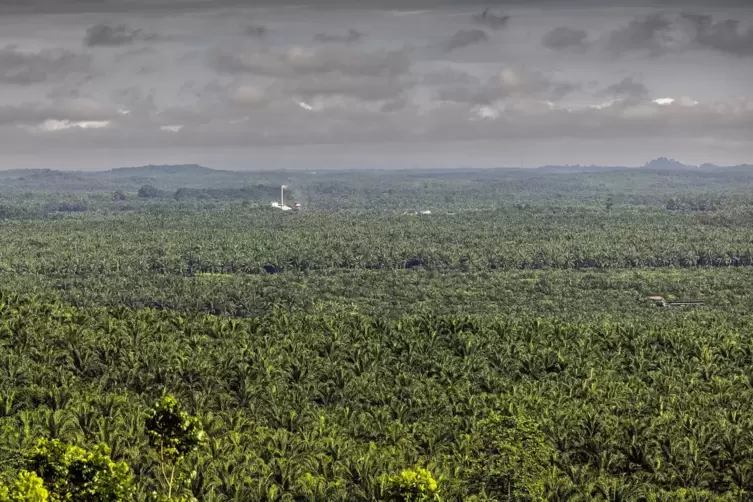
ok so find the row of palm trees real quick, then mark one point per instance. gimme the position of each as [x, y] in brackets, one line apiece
[227, 241]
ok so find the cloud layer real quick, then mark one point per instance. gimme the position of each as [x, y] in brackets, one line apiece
[658, 33]
[465, 38]
[25, 67]
[350, 37]
[224, 76]
[113, 36]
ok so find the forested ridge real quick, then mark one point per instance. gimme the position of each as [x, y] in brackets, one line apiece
[189, 341]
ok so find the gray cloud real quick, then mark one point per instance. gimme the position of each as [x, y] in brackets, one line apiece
[128, 6]
[449, 76]
[297, 61]
[74, 110]
[365, 88]
[114, 35]
[23, 68]
[465, 38]
[491, 20]
[648, 33]
[286, 123]
[255, 31]
[348, 38]
[508, 83]
[724, 36]
[394, 106]
[660, 32]
[237, 98]
[627, 87]
[620, 121]
[564, 37]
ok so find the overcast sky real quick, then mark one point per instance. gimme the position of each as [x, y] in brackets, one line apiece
[96, 84]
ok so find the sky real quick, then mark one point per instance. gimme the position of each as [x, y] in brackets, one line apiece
[98, 84]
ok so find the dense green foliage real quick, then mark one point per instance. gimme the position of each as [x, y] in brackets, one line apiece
[28, 487]
[413, 486]
[334, 403]
[513, 457]
[173, 434]
[192, 342]
[72, 473]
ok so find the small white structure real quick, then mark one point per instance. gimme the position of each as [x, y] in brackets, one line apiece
[423, 212]
[281, 205]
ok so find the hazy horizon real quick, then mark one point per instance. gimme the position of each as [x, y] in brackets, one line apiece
[280, 160]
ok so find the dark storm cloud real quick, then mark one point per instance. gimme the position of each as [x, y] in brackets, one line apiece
[348, 38]
[114, 36]
[491, 20]
[627, 87]
[23, 68]
[564, 37]
[465, 38]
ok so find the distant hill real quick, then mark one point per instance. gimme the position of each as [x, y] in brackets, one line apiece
[658, 164]
[165, 178]
[129, 179]
[163, 169]
[665, 164]
[201, 181]
[47, 180]
[566, 169]
[171, 177]
[41, 174]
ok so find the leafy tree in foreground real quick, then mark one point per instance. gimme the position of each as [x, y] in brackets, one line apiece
[512, 459]
[73, 473]
[413, 485]
[173, 434]
[28, 487]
